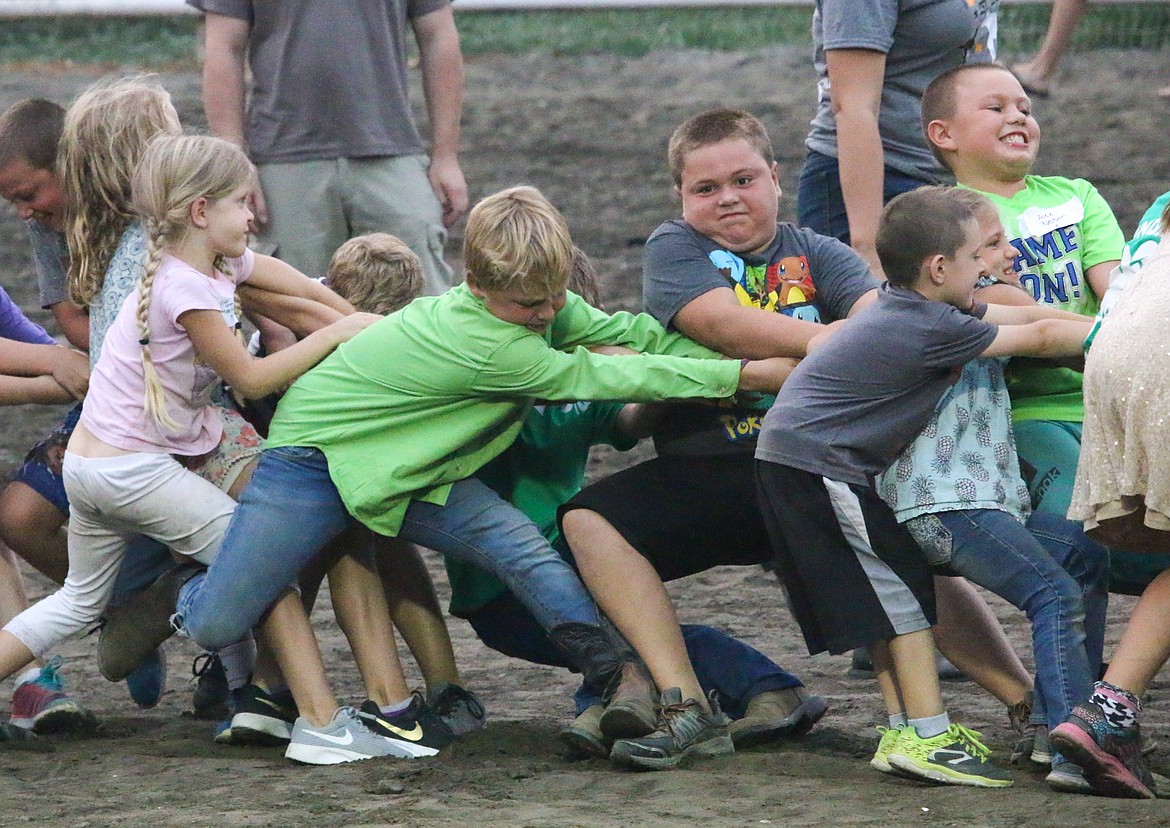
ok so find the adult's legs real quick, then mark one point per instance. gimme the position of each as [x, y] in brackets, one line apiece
[1036, 75]
[306, 216]
[393, 195]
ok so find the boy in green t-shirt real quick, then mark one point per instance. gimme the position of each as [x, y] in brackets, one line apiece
[387, 431]
[979, 122]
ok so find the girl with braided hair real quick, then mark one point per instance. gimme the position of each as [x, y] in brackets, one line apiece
[149, 407]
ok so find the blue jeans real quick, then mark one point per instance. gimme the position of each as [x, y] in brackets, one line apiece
[736, 671]
[820, 205]
[291, 509]
[1057, 576]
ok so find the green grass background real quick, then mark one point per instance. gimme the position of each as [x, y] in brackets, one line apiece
[158, 41]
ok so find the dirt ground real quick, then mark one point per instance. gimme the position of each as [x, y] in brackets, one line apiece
[591, 132]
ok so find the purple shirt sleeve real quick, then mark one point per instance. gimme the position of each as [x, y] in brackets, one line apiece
[15, 325]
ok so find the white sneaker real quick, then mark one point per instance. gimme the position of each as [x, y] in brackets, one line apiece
[344, 739]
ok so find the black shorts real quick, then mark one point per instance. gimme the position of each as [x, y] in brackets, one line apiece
[853, 573]
[683, 514]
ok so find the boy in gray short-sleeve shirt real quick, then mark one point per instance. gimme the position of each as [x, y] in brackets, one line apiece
[854, 575]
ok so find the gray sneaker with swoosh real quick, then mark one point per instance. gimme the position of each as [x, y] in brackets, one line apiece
[345, 739]
[415, 732]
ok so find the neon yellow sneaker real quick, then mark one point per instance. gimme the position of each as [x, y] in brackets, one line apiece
[881, 758]
[955, 757]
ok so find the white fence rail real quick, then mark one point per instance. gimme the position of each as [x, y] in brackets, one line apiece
[49, 8]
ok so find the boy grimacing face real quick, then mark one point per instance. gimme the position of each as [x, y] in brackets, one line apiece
[731, 195]
[963, 270]
[519, 307]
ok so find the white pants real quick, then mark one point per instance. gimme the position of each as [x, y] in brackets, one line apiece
[111, 499]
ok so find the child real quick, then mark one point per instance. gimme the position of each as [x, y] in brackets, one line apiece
[957, 488]
[854, 575]
[1120, 493]
[30, 131]
[980, 124]
[391, 442]
[543, 469]
[34, 369]
[148, 400]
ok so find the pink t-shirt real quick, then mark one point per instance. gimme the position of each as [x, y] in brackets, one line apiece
[115, 408]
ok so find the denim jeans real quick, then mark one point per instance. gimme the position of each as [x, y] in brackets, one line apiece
[820, 205]
[291, 509]
[736, 671]
[1057, 576]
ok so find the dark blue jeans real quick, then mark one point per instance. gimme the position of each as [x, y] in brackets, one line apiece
[736, 671]
[820, 205]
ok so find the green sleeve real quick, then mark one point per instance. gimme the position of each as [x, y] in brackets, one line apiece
[527, 366]
[1103, 238]
[580, 324]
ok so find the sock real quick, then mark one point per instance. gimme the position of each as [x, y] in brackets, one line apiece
[394, 708]
[898, 721]
[238, 660]
[1119, 706]
[31, 674]
[931, 726]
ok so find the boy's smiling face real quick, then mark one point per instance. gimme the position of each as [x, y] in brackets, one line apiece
[992, 126]
[731, 195]
[35, 193]
[534, 311]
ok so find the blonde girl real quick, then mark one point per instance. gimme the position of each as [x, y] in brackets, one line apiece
[148, 402]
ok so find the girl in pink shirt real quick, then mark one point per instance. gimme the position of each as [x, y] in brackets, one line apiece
[148, 410]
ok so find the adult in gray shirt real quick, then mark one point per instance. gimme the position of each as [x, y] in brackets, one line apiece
[873, 59]
[329, 123]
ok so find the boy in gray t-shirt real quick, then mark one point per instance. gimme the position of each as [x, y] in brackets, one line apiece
[854, 575]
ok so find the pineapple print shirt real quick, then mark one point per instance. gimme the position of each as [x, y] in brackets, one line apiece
[965, 458]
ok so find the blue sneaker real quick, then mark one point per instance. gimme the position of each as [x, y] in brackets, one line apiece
[148, 680]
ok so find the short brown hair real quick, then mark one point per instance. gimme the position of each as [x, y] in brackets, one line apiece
[30, 131]
[516, 239]
[926, 222]
[711, 127]
[376, 273]
[583, 279]
[938, 101]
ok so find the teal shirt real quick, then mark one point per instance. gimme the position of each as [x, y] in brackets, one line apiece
[427, 396]
[544, 468]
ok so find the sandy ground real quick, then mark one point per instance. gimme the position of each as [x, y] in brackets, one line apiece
[591, 132]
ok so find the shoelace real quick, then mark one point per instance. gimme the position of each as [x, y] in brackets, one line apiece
[451, 695]
[48, 678]
[198, 670]
[970, 738]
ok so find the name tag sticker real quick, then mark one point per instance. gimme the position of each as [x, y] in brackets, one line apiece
[1036, 221]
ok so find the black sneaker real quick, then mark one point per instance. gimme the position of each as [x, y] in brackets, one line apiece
[416, 730]
[685, 729]
[210, 699]
[460, 709]
[260, 718]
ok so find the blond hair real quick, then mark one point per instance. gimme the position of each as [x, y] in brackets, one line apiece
[516, 240]
[376, 273]
[175, 171]
[105, 133]
[712, 127]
